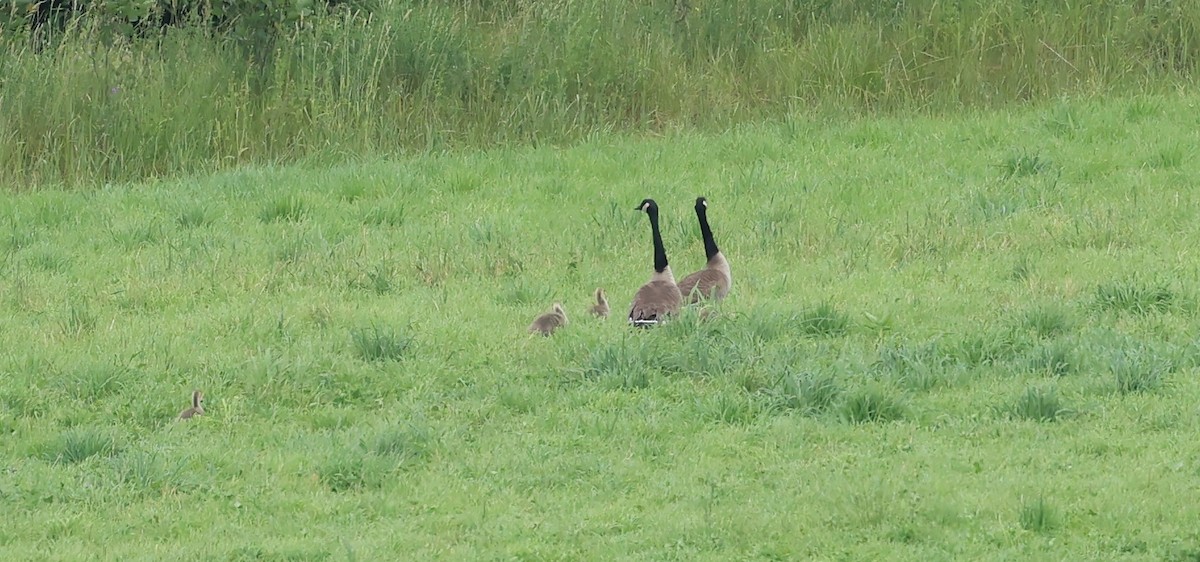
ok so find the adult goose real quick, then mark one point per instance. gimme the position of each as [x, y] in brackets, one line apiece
[659, 297]
[713, 281]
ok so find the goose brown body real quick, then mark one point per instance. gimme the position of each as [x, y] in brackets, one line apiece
[547, 323]
[714, 281]
[600, 309]
[659, 297]
[197, 408]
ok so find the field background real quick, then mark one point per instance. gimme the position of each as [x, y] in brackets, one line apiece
[960, 329]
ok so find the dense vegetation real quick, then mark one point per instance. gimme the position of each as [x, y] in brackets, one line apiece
[99, 102]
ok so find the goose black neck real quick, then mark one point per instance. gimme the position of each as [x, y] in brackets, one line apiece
[710, 245]
[660, 253]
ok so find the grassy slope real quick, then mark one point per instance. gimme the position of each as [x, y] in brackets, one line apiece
[954, 285]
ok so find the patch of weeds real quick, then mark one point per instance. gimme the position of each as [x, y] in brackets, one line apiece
[94, 381]
[1142, 108]
[24, 405]
[1039, 404]
[77, 445]
[880, 325]
[992, 207]
[1022, 269]
[137, 236]
[257, 553]
[823, 321]
[767, 324]
[620, 364]
[354, 470]
[291, 251]
[386, 214]
[16, 238]
[402, 442]
[47, 260]
[978, 350]
[703, 357]
[692, 321]
[378, 279]
[1134, 297]
[377, 344]
[917, 367]
[1047, 321]
[520, 292]
[1184, 553]
[1138, 370]
[872, 404]
[806, 392]
[1056, 358]
[483, 233]
[515, 400]
[1038, 516]
[753, 381]
[375, 460]
[1167, 157]
[79, 320]
[285, 209]
[194, 216]
[1021, 164]
[145, 473]
[730, 407]
[352, 190]
[1063, 120]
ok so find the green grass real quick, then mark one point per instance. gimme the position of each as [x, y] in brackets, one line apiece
[895, 375]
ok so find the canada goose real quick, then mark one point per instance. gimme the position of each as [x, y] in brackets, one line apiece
[600, 309]
[659, 297]
[550, 321]
[197, 408]
[714, 280]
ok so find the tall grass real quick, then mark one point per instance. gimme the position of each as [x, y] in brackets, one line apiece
[424, 76]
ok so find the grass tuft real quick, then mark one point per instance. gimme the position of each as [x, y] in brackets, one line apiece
[625, 364]
[1134, 297]
[146, 473]
[77, 445]
[97, 380]
[823, 321]
[1138, 370]
[79, 321]
[379, 279]
[1056, 358]
[354, 470]
[872, 404]
[977, 350]
[379, 344]
[1022, 164]
[1047, 321]
[195, 216]
[402, 442]
[1038, 516]
[284, 209]
[806, 392]
[916, 367]
[385, 214]
[1039, 404]
[730, 407]
[702, 356]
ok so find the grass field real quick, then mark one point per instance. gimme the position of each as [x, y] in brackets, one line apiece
[967, 337]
